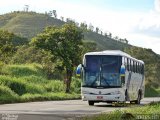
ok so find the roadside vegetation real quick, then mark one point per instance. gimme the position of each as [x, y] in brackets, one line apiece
[23, 83]
[146, 112]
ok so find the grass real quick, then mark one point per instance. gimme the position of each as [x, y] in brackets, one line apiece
[23, 83]
[7, 95]
[142, 112]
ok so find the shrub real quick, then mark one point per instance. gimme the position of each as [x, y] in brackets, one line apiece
[76, 85]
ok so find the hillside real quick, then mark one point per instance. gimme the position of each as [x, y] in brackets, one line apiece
[29, 24]
[104, 42]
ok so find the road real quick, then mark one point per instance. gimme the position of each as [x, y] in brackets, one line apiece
[57, 110]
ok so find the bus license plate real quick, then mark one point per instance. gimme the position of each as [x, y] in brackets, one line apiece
[99, 97]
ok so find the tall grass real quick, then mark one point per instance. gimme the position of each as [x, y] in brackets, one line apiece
[21, 83]
[23, 70]
[7, 95]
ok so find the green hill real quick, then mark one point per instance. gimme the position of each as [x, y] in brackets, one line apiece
[104, 42]
[29, 24]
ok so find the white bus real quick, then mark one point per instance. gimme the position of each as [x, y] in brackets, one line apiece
[111, 76]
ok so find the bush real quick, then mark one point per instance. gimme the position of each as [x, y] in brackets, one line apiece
[1, 67]
[76, 85]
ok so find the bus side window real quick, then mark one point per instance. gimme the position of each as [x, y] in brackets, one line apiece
[137, 67]
[128, 64]
[142, 69]
[131, 65]
[125, 63]
[123, 60]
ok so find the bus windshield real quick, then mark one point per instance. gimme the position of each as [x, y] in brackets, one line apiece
[102, 71]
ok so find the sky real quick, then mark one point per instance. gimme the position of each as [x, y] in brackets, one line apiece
[136, 20]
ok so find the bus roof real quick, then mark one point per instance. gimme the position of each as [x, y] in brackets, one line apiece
[115, 53]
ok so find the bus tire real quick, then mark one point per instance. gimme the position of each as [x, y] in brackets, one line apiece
[91, 103]
[138, 101]
[126, 96]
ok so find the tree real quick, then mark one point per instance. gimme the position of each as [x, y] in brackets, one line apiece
[89, 46]
[97, 29]
[55, 13]
[7, 47]
[117, 38]
[70, 21]
[91, 27]
[101, 32]
[50, 13]
[126, 41]
[83, 26]
[27, 54]
[110, 35]
[64, 44]
[62, 18]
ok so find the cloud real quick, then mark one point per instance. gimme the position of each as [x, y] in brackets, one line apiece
[146, 31]
[149, 25]
[157, 5]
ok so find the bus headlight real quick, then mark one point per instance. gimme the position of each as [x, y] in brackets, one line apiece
[116, 92]
[85, 92]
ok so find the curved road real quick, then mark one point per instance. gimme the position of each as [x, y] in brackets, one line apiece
[58, 110]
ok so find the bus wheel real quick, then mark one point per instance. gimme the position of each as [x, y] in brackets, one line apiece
[138, 99]
[126, 96]
[91, 103]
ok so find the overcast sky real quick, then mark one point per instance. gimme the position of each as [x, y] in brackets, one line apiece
[136, 20]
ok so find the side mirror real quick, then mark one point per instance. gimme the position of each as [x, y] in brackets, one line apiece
[122, 70]
[78, 70]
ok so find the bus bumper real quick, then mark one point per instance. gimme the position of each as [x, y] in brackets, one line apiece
[104, 98]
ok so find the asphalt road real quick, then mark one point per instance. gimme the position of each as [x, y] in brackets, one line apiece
[57, 110]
